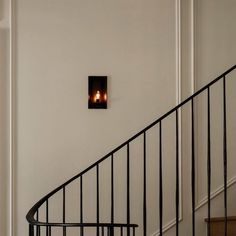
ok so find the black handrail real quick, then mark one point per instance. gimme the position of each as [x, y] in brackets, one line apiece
[31, 214]
[54, 224]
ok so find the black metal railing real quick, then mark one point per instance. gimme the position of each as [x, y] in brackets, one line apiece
[39, 215]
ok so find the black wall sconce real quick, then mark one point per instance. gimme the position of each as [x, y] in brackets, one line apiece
[97, 89]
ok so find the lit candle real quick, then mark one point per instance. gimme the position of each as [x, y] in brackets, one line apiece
[97, 96]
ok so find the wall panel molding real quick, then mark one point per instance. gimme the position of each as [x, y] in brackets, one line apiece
[178, 74]
[215, 193]
[11, 123]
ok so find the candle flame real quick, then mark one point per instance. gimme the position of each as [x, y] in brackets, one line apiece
[97, 96]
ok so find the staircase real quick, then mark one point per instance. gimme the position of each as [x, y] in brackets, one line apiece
[95, 202]
[217, 225]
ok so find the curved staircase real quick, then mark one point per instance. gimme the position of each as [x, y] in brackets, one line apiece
[42, 221]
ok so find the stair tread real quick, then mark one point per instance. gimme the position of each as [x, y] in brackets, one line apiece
[220, 219]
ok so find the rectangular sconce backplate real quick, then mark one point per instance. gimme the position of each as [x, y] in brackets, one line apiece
[97, 89]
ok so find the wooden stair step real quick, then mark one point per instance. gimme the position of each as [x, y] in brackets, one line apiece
[217, 225]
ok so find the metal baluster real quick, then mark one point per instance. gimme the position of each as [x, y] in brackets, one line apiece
[50, 231]
[31, 230]
[111, 231]
[160, 181]
[177, 173]
[112, 190]
[193, 168]
[97, 178]
[64, 230]
[225, 156]
[144, 187]
[121, 231]
[38, 230]
[37, 227]
[128, 190]
[64, 210]
[133, 231]
[102, 231]
[209, 161]
[81, 205]
[47, 216]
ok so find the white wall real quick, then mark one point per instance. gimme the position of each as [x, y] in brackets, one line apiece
[59, 44]
[208, 47]
[214, 38]
[215, 52]
[4, 116]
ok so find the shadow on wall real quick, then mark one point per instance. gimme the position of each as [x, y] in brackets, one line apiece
[4, 35]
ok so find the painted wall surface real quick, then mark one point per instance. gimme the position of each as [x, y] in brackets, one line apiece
[4, 116]
[59, 44]
[215, 52]
[208, 47]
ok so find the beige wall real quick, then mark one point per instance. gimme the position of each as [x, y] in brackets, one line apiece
[208, 47]
[4, 117]
[59, 43]
[215, 52]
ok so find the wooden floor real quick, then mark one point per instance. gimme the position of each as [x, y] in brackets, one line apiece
[218, 226]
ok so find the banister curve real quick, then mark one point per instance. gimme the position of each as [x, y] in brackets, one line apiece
[31, 213]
